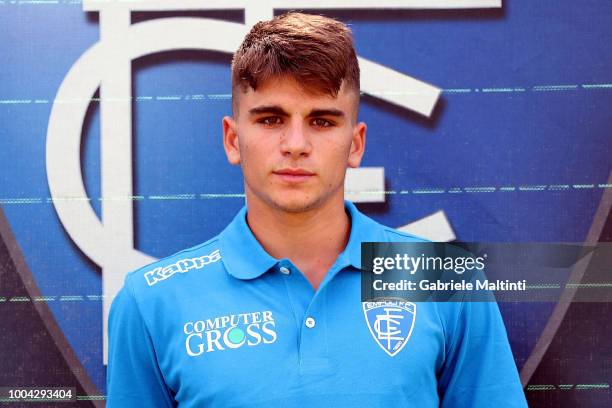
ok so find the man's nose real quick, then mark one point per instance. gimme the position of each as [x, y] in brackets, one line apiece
[294, 139]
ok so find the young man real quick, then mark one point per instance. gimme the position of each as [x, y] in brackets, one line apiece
[268, 313]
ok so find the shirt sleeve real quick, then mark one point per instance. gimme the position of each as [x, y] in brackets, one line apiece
[479, 369]
[133, 375]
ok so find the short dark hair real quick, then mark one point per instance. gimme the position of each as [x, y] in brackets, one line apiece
[316, 51]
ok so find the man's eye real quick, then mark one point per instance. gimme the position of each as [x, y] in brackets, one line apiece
[271, 121]
[320, 122]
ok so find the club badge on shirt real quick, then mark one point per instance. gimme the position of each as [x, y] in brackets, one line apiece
[391, 323]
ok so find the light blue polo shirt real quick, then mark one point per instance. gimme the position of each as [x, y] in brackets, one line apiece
[224, 324]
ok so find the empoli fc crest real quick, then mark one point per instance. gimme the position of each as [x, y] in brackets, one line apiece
[391, 323]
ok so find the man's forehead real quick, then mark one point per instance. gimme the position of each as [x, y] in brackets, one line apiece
[287, 84]
[289, 94]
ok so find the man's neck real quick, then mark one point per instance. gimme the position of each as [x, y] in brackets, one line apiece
[311, 240]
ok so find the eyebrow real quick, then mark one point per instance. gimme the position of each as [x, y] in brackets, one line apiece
[277, 110]
[273, 109]
[326, 112]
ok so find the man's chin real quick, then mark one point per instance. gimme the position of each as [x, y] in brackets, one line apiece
[292, 200]
[296, 204]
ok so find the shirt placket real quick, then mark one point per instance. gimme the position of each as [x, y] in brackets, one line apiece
[309, 308]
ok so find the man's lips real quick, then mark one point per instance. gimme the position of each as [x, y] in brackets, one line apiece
[294, 172]
[293, 175]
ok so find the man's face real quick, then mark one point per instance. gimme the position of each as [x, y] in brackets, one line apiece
[294, 145]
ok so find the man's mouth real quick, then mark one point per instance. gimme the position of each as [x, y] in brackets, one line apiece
[293, 175]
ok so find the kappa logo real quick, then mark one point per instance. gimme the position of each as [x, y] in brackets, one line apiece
[181, 266]
[391, 323]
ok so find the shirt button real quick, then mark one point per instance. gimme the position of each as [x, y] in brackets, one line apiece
[284, 270]
[310, 322]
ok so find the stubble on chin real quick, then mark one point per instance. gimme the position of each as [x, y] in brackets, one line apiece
[294, 202]
[292, 205]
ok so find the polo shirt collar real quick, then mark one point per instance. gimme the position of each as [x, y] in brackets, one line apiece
[245, 258]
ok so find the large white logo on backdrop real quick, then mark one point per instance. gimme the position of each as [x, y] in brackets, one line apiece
[107, 65]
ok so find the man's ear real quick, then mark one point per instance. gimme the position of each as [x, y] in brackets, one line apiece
[357, 144]
[230, 140]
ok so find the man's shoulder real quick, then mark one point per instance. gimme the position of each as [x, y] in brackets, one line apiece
[394, 235]
[165, 274]
[389, 234]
